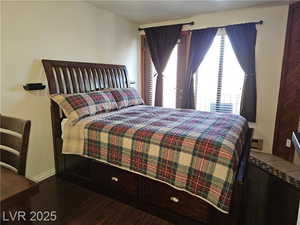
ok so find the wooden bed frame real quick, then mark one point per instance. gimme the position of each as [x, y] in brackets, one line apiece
[147, 194]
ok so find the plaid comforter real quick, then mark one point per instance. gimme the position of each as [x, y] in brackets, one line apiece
[194, 151]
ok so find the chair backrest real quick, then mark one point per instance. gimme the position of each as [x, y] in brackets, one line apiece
[14, 137]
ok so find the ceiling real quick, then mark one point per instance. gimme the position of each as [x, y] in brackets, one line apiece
[143, 11]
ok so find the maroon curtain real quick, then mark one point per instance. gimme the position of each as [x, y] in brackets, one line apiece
[243, 40]
[161, 41]
[201, 41]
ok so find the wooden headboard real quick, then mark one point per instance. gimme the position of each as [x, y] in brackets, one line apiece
[77, 77]
[74, 77]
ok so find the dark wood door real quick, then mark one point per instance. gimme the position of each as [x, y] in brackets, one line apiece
[288, 110]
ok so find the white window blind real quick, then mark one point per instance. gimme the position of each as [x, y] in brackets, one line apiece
[219, 79]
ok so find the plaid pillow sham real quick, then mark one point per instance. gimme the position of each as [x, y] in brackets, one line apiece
[79, 105]
[126, 97]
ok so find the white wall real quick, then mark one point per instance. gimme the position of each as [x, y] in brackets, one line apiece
[32, 31]
[269, 54]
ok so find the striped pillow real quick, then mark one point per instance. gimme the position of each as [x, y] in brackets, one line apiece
[126, 97]
[79, 105]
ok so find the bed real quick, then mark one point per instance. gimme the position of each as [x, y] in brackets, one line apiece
[174, 189]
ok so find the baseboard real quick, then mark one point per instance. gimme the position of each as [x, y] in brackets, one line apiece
[42, 176]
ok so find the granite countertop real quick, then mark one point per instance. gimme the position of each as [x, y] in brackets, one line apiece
[278, 167]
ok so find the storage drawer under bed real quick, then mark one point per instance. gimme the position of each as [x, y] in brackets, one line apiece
[114, 180]
[164, 196]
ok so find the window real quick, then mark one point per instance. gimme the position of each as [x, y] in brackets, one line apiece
[219, 79]
[170, 73]
[169, 81]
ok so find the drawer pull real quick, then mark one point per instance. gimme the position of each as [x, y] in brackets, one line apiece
[115, 179]
[174, 199]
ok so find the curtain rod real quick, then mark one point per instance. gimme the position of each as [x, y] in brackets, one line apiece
[258, 22]
[189, 23]
[192, 23]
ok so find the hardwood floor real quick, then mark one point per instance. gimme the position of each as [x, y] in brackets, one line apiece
[268, 201]
[76, 205]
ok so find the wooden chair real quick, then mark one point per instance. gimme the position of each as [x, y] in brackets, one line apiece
[14, 137]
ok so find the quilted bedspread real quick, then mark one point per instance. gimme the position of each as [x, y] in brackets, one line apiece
[197, 152]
